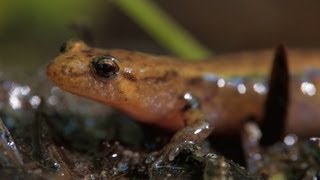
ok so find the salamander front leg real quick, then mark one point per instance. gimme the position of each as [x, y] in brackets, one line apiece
[197, 130]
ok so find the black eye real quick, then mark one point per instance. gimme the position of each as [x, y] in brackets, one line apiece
[105, 67]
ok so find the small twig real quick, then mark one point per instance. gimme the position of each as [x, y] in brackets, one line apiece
[10, 155]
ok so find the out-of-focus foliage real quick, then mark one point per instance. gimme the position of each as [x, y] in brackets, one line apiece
[44, 15]
[32, 31]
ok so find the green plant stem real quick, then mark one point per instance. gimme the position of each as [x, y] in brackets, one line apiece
[162, 28]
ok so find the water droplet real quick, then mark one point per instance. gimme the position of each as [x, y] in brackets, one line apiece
[35, 101]
[56, 166]
[315, 140]
[150, 159]
[53, 100]
[192, 102]
[241, 88]
[10, 143]
[16, 94]
[92, 177]
[260, 88]
[55, 90]
[187, 96]
[290, 139]
[15, 102]
[221, 83]
[257, 156]
[114, 155]
[253, 131]
[25, 90]
[197, 131]
[128, 70]
[204, 126]
[308, 88]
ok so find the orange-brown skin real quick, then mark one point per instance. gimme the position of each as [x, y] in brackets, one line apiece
[151, 88]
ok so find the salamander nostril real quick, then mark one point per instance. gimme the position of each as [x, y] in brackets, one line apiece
[70, 44]
[105, 67]
[63, 47]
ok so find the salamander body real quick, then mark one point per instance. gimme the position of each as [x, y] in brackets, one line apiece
[154, 89]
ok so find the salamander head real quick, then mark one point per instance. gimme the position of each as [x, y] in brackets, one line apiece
[130, 81]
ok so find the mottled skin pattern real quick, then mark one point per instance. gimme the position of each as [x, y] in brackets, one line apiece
[151, 88]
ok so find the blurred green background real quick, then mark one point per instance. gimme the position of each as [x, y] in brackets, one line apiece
[32, 31]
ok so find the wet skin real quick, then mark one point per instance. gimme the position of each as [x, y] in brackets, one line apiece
[213, 96]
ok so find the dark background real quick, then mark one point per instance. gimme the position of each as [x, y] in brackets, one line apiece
[31, 32]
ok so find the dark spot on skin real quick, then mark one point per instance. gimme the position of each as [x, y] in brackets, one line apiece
[70, 70]
[59, 79]
[88, 53]
[70, 57]
[74, 87]
[194, 81]
[128, 58]
[120, 92]
[129, 76]
[160, 79]
[131, 54]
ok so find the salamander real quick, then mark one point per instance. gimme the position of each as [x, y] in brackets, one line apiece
[196, 99]
[150, 88]
[160, 90]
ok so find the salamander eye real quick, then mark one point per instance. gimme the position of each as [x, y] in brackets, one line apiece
[105, 67]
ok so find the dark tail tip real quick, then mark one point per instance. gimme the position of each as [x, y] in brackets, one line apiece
[276, 105]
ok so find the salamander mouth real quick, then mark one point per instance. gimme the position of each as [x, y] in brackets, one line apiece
[62, 65]
[65, 75]
[69, 82]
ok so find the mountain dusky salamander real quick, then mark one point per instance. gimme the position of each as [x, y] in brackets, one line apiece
[158, 89]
